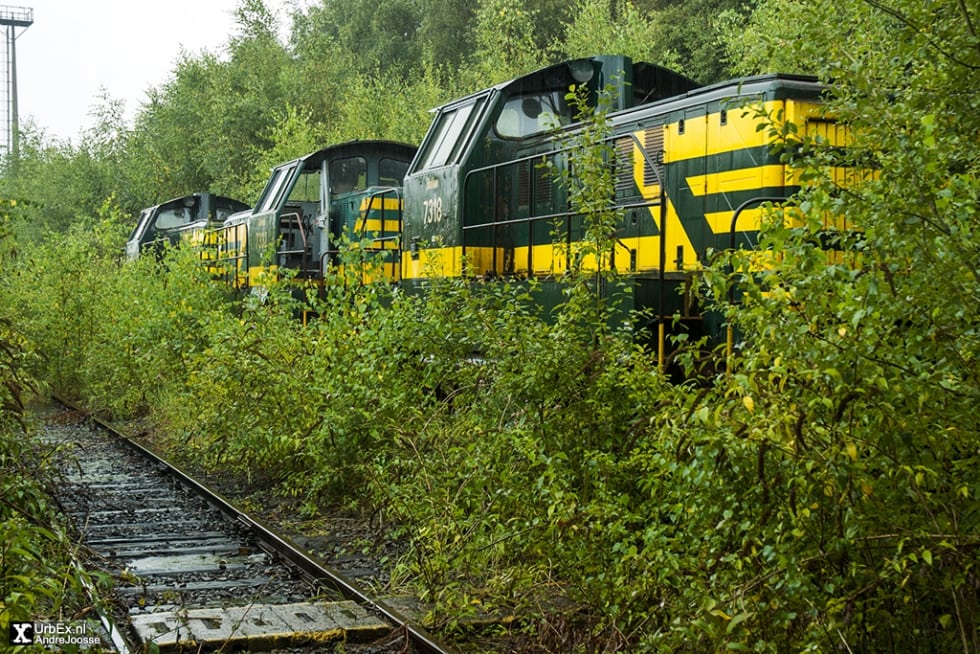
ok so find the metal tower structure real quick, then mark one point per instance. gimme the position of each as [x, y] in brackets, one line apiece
[11, 18]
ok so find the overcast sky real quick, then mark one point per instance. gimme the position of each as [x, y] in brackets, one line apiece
[77, 47]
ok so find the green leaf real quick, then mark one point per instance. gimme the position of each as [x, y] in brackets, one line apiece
[737, 620]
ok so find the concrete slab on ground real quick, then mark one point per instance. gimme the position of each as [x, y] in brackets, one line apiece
[259, 626]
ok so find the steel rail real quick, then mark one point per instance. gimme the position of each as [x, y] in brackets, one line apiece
[313, 572]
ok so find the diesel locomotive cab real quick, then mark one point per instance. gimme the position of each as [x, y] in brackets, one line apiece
[179, 220]
[351, 190]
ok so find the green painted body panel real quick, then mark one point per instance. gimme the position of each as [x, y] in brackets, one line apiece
[261, 238]
[434, 219]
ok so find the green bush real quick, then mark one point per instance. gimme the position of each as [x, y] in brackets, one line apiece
[38, 578]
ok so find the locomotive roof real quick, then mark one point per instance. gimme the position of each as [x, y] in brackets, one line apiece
[338, 150]
[660, 86]
[779, 85]
[650, 81]
[189, 197]
[756, 84]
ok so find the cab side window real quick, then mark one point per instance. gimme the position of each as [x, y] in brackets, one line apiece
[348, 175]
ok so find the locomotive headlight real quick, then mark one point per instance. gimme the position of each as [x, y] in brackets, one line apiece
[581, 70]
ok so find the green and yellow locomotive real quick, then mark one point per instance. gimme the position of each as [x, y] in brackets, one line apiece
[351, 190]
[483, 198]
[179, 221]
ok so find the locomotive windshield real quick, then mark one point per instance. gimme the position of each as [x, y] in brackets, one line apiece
[532, 113]
[351, 174]
[176, 213]
[307, 187]
[173, 218]
[392, 172]
[451, 133]
[275, 189]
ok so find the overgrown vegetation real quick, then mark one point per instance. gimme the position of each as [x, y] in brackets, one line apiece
[820, 495]
[38, 576]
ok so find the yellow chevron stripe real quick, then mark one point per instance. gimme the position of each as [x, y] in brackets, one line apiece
[705, 135]
[648, 256]
[741, 179]
[374, 226]
[721, 222]
[388, 202]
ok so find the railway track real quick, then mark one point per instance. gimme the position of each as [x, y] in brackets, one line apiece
[195, 574]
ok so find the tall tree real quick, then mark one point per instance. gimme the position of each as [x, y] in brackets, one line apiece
[202, 129]
[58, 184]
[446, 32]
[610, 26]
[377, 36]
[691, 33]
[505, 45]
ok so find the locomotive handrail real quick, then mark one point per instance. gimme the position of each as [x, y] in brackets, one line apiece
[378, 194]
[527, 219]
[567, 215]
[299, 224]
[238, 256]
[552, 216]
[288, 217]
[663, 249]
[729, 330]
[382, 194]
